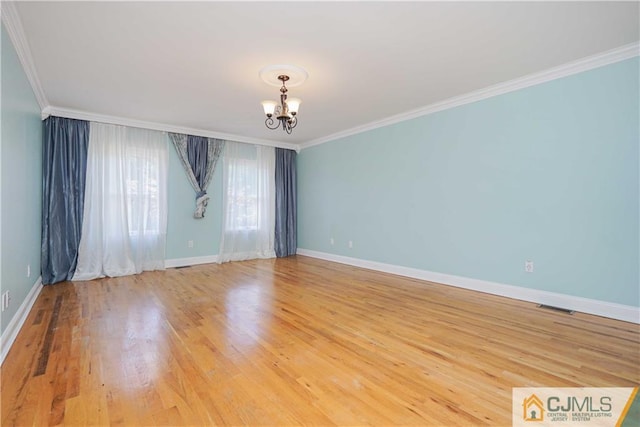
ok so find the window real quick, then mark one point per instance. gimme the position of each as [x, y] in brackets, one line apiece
[248, 202]
[243, 195]
[142, 189]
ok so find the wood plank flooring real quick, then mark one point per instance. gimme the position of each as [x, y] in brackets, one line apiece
[295, 341]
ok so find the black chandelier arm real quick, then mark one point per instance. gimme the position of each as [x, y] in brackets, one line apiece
[293, 122]
[288, 125]
[271, 124]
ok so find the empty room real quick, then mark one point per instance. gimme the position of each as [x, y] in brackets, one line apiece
[320, 213]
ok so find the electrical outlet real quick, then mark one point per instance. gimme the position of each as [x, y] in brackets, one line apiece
[528, 266]
[190, 244]
[331, 241]
[28, 270]
[350, 244]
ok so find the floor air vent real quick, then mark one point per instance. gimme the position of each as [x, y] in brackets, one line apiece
[550, 307]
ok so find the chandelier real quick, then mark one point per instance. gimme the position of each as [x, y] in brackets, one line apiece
[285, 111]
[282, 114]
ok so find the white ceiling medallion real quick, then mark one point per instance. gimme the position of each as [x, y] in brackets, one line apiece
[270, 74]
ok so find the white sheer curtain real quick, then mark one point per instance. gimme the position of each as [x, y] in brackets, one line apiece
[248, 202]
[125, 205]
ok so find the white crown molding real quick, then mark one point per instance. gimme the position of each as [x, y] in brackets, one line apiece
[123, 121]
[605, 58]
[14, 326]
[585, 305]
[12, 23]
[185, 262]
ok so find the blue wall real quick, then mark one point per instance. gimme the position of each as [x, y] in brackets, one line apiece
[20, 180]
[548, 174]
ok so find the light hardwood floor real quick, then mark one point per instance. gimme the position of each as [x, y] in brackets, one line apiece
[295, 341]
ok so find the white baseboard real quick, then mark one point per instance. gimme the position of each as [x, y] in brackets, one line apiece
[184, 262]
[11, 332]
[626, 313]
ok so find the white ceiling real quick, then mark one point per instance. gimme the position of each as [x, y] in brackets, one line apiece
[196, 64]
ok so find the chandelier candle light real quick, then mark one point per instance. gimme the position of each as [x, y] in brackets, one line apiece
[286, 110]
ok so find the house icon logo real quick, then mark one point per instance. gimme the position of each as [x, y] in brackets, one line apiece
[533, 409]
